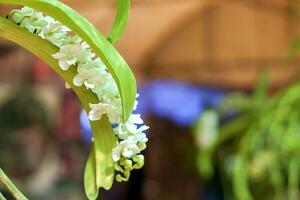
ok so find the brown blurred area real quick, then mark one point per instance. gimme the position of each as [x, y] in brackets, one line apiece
[221, 43]
[203, 41]
[208, 42]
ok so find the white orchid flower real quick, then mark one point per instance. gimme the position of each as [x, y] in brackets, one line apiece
[69, 55]
[127, 148]
[90, 75]
[100, 109]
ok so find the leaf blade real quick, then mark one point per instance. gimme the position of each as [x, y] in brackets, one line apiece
[90, 183]
[100, 177]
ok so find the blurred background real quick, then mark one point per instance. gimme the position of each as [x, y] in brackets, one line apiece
[219, 87]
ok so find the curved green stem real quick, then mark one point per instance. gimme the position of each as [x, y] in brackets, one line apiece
[9, 185]
[121, 19]
[293, 179]
[240, 182]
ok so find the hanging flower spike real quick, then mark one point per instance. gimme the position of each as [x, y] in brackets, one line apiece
[98, 75]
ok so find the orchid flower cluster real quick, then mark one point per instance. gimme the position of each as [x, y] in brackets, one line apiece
[93, 74]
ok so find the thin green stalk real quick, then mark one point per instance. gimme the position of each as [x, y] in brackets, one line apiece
[9, 185]
[121, 19]
[276, 178]
[240, 181]
[2, 197]
[293, 179]
[225, 183]
[232, 129]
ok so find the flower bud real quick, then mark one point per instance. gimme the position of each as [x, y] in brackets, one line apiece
[128, 164]
[142, 145]
[139, 161]
[119, 178]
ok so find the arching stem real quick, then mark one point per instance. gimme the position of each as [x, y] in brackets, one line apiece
[10, 186]
[2, 197]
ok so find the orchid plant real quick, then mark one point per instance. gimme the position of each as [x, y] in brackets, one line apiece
[252, 142]
[96, 72]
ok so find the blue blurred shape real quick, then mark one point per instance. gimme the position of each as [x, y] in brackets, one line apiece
[180, 102]
[86, 129]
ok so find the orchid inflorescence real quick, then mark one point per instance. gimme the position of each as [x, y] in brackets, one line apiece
[94, 75]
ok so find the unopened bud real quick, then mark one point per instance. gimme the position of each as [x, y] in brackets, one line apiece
[142, 146]
[119, 178]
[128, 164]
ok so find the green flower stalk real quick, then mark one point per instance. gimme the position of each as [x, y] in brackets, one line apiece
[2, 197]
[8, 184]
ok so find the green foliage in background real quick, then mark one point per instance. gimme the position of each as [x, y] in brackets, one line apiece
[258, 152]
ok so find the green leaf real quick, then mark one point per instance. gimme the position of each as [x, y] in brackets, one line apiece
[293, 179]
[94, 175]
[262, 87]
[240, 182]
[119, 69]
[2, 197]
[276, 177]
[104, 139]
[10, 186]
[206, 130]
[90, 182]
[121, 19]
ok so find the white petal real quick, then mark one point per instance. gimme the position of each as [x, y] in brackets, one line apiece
[128, 153]
[89, 85]
[58, 55]
[135, 105]
[143, 128]
[72, 61]
[136, 119]
[97, 106]
[131, 128]
[78, 80]
[94, 116]
[114, 117]
[116, 153]
[63, 65]
[141, 137]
